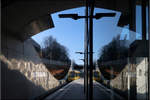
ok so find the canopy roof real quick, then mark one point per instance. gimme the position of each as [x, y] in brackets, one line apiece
[25, 18]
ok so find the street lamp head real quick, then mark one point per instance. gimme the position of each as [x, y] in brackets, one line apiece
[100, 15]
[80, 52]
[73, 16]
[97, 16]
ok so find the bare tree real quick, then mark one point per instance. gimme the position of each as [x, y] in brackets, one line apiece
[54, 51]
[115, 50]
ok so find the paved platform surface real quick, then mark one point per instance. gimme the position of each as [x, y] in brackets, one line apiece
[75, 91]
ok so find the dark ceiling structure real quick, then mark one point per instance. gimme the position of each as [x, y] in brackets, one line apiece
[25, 18]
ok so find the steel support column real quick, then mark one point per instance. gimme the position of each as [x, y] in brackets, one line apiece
[132, 37]
[91, 9]
[143, 19]
[149, 52]
[132, 19]
[86, 52]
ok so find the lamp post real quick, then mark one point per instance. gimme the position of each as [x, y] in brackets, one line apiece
[80, 52]
[76, 16]
[89, 42]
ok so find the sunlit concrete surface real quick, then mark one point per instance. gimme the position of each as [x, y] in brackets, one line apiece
[75, 91]
[103, 93]
[72, 91]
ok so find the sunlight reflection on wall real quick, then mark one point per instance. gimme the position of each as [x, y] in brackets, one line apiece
[23, 70]
[37, 73]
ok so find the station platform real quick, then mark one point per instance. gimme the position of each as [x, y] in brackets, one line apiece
[75, 91]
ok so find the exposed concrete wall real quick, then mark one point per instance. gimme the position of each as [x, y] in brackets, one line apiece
[129, 79]
[142, 79]
[24, 76]
[120, 82]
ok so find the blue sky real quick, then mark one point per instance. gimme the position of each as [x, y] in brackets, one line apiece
[70, 33]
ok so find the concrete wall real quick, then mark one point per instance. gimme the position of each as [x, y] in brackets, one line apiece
[24, 76]
[133, 85]
[120, 82]
[142, 79]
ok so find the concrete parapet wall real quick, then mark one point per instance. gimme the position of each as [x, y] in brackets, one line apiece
[24, 76]
[120, 82]
[129, 81]
[142, 78]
